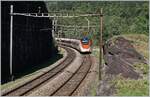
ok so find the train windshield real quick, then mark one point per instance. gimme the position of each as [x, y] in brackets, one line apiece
[85, 40]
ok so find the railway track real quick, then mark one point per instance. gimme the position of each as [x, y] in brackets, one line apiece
[34, 84]
[70, 86]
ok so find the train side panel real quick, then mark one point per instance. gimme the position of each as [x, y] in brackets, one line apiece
[74, 43]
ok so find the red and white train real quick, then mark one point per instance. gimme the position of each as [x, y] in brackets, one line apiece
[83, 45]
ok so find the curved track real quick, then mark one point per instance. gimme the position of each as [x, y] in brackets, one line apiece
[70, 86]
[34, 84]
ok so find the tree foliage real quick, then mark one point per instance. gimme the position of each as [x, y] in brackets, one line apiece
[119, 16]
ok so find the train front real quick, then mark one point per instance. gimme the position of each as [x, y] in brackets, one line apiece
[85, 45]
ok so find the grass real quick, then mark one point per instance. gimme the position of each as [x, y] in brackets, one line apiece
[95, 52]
[130, 87]
[143, 68]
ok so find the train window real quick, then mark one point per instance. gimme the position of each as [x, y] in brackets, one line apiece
[85, 40]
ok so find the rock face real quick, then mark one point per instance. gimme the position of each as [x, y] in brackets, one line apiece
[119, 55]
[31, 45]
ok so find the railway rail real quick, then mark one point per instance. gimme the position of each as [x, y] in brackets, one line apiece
[70, 86]
[34, 84]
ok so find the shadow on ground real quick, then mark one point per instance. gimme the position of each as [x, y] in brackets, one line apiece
[33, 68]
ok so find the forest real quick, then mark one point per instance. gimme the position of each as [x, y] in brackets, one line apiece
[120, 17]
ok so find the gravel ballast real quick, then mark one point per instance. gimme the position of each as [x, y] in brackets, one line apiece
[36, 74]
[54, 84]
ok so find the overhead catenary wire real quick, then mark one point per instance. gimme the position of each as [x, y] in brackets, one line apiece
[53, 15]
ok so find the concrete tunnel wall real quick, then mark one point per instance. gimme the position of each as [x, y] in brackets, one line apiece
[31, 46]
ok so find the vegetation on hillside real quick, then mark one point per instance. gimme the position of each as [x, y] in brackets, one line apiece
[131, 87]
[120, 17]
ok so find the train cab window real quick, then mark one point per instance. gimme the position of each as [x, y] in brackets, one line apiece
[85, 40]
